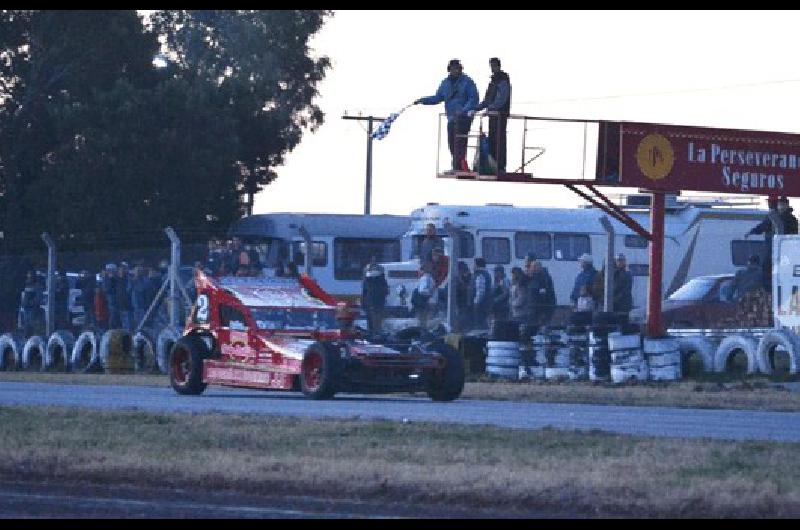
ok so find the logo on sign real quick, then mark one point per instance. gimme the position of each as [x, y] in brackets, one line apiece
[655, 156]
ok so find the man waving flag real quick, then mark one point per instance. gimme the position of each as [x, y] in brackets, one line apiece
[383, 129]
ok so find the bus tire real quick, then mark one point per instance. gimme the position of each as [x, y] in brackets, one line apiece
[730, 344]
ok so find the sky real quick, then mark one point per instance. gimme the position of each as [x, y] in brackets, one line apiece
[731, 69]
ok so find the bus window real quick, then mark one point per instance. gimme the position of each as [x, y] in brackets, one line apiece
[466, 245]
[271, 251]
[636, 241]
[570, 247]
[496, 250]
[536, 243]
[351, 255]
[319, 257]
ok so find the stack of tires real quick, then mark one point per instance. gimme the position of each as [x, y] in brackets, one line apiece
[578, 341]
[503, 359]
[558, 355]
[663, 359]
[627, 361]
[599, 354]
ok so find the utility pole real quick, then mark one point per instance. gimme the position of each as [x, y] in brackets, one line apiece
[370, 121]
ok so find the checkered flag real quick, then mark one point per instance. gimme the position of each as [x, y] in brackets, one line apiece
[383, 129]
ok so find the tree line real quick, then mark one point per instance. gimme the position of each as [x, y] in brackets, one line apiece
[99, 142]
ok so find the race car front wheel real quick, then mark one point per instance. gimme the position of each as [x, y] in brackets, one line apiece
[318, 372]
[186, 365]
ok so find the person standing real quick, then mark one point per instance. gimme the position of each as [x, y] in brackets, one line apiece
[541, 295]
[518, 296]
[463, 288]
[421, 297]
[497, 100]
[481, 291]
[374, 291]
[585, 278]
[501, 293]
[623, 285]
[430, 242]
[783, 212]
[460, 95]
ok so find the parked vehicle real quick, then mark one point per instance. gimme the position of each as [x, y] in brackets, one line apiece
[703, 302]
[287, 333]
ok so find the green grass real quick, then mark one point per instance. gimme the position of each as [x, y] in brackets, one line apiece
[544, 471]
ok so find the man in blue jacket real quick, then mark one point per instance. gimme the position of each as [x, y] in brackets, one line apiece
[460, 96]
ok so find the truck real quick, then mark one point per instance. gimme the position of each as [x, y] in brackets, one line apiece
[289, 334]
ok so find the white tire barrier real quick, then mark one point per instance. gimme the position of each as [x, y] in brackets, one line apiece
[663, 359]
[772, 340]
[85, 352]
[599, 356]
[558, 357]
[732, 344]
[11, 346]
[702, 346]
[58, 351]
[166, 339]
[144, 352]
[578, 342]
[33, 353]
[627, 360]
[503, 359]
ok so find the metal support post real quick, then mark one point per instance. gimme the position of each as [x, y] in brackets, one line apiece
[175, 250]
[655, 327]
[608, 284]
[51, 272]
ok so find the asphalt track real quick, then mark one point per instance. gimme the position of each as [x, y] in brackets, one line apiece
[646, 421]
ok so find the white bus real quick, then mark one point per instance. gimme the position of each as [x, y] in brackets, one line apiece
[341, 244]
[701, 238]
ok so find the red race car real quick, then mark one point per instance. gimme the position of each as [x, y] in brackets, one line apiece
[288, 334]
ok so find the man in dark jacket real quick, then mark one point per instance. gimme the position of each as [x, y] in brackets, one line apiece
[623, 284]
[541, 294]
[497, 100]
[460, 95]
[585, 278]
[481, 294]
[747, 279]
[374, 290]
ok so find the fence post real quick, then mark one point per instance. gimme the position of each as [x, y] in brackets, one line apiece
[608, 284]
[51, 272]
[175, 262]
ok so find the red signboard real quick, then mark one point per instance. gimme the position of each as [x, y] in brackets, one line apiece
[676, 158]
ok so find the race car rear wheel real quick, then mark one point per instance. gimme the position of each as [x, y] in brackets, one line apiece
[447, 383]
[186, 365]
[318, 372]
